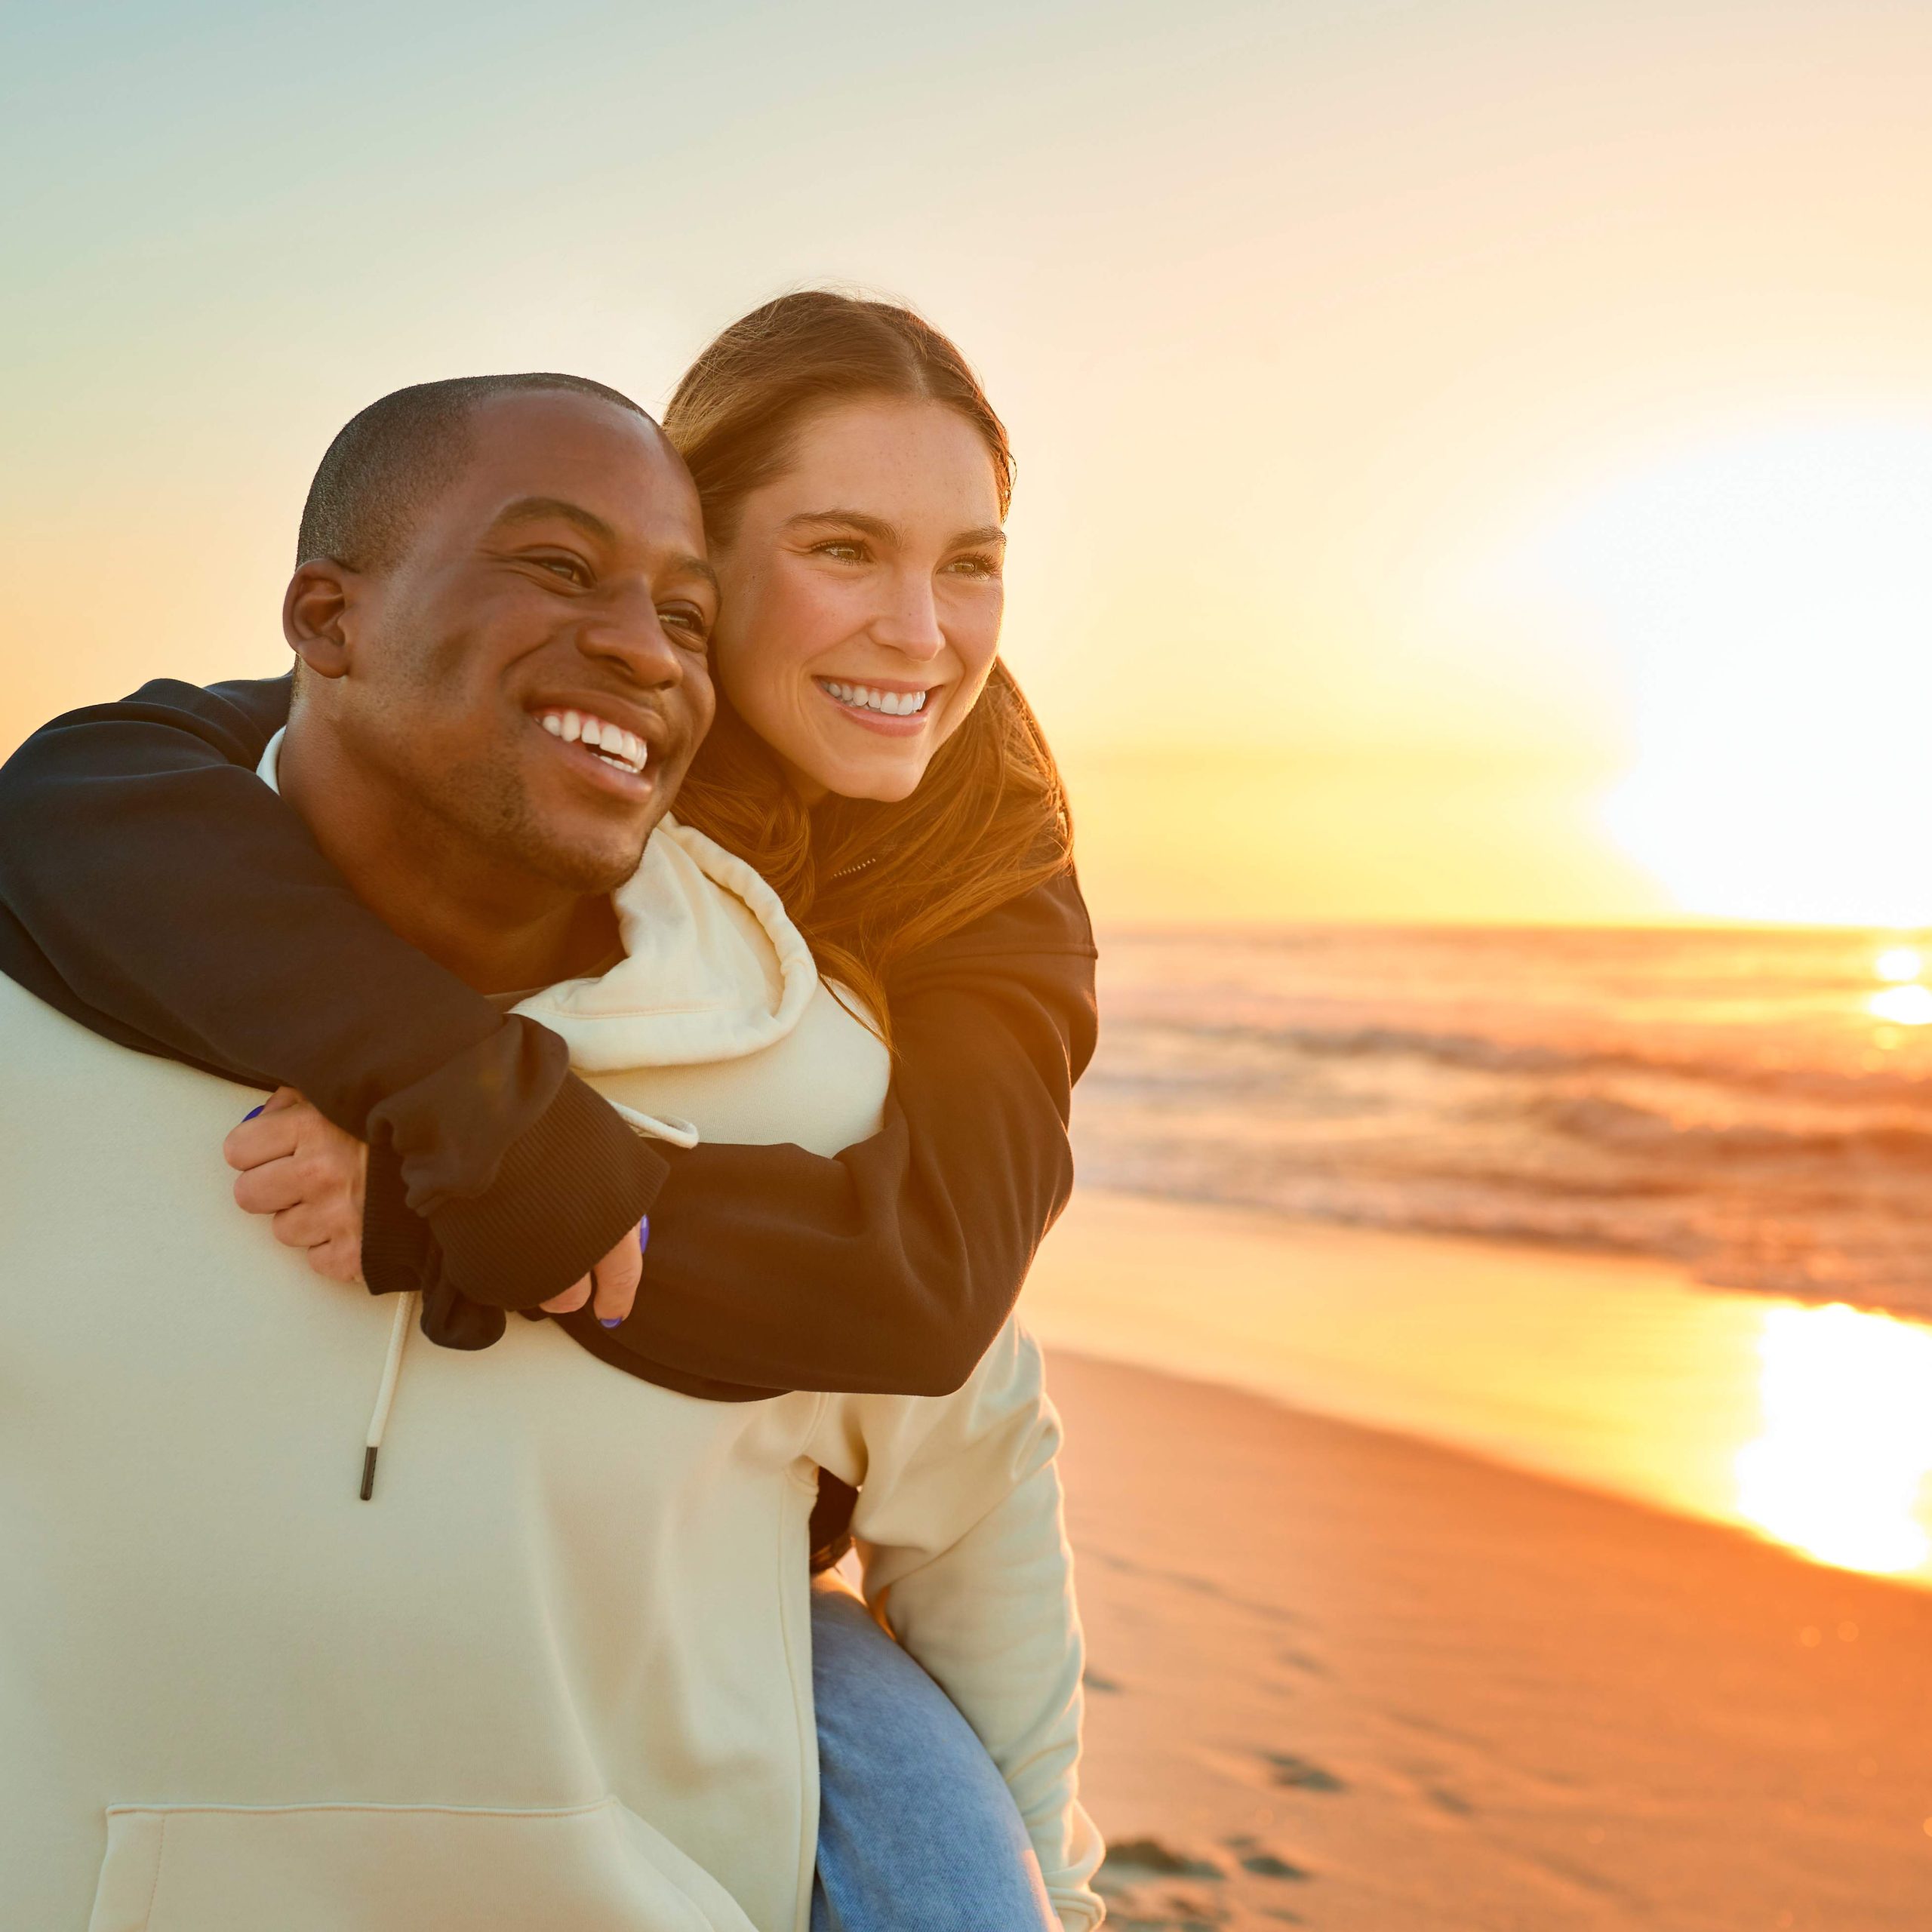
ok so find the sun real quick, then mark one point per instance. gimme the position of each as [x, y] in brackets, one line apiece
[1767, 604]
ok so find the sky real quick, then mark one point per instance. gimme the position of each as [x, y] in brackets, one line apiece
[1472, 454]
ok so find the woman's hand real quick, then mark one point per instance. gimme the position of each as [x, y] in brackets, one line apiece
[308, 1175]
[313, 1178]
[610, 1287]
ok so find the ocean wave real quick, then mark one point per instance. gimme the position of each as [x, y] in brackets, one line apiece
[1486, 1053]
[1607, 1122]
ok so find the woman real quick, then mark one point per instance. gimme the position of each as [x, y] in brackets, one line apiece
[853, 478]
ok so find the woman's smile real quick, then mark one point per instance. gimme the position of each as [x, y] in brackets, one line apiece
[893, 707]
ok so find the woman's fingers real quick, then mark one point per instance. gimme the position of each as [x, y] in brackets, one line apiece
[308, 1173]
[308, 1224]
[338, 1259]
[610, 1287]
[572, 1299]
[616, 1278]
[268, 1134]
[272, 1186]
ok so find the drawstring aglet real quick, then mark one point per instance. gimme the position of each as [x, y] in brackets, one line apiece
[406, 1310]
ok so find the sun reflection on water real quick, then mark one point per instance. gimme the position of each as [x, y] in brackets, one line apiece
[1898, 964]
[1846, 1445]
[1903, 1006]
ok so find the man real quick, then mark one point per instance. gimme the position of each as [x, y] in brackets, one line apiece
[556, 1675]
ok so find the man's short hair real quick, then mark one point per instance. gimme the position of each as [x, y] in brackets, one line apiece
[388, 462]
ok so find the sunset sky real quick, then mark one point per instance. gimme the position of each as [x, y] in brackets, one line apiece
[1475, 457]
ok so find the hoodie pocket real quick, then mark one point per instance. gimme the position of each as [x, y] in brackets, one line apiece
[349, 1868]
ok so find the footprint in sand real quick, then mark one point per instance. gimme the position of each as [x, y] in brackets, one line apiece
[1133, 1861]
[1136, 1881]
[1300, 1773]
[1270, 1865]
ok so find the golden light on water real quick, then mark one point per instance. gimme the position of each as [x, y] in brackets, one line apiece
[1903, 1006]
[1898, 964]
[1840, 1469]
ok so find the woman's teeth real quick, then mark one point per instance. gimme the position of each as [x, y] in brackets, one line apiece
[611, 743]
[892, 704]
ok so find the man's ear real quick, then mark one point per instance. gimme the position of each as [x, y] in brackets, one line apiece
[315, 613]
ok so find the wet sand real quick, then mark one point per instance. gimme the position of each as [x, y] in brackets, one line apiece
[1346, 1678]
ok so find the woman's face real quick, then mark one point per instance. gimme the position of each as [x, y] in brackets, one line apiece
[862, 597]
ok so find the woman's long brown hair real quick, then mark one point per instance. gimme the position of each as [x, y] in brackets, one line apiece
[867, 883]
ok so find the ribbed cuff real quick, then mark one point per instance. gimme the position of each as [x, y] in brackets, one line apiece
[565, 1192]
[399, 1250]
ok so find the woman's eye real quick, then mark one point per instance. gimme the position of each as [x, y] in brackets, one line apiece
[974, 567]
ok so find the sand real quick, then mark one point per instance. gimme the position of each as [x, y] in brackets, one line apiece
[1346, 1678]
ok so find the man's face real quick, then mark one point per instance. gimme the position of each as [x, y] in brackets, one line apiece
[555, 595]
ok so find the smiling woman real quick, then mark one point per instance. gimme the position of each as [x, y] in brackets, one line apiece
[871, 757]
[855, 642]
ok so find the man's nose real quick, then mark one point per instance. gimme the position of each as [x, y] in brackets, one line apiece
[630, 637]
[909, 624]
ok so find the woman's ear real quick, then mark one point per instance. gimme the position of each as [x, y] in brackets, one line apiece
[318, 601]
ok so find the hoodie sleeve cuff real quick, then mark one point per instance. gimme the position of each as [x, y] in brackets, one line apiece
[565, 1192]
[399, 1250]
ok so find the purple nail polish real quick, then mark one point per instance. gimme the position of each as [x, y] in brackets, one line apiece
[247, 1117]
[643, 1233]
[609, 1322]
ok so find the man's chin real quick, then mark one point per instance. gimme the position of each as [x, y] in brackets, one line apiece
[589, 867]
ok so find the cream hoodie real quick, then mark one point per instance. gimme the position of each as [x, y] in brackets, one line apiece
[556, 1673]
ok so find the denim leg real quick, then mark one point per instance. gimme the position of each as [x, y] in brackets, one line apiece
[916, 1826]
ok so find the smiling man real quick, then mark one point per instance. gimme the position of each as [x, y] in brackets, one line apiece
[556, 1670]
[503, 706]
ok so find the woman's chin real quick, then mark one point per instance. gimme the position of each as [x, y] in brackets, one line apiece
[884, 785]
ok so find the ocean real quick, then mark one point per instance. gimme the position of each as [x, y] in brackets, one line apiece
[1755, 1104]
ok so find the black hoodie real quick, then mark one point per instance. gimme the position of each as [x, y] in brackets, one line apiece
[151, 888]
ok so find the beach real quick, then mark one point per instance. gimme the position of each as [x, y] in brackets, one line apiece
[1349, 1677]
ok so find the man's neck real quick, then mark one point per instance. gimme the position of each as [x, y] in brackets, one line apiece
[498, 928]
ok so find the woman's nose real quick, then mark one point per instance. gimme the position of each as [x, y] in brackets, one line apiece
[910, 624]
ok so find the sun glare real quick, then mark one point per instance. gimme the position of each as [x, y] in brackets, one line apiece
[1898, 964]
[1769, 603]
[1839, 1470]
[1903, 1006]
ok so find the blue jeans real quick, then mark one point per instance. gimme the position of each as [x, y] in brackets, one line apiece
[916, 1827]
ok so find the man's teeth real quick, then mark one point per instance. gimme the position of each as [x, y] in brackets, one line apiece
[893, 704]
[611, 743]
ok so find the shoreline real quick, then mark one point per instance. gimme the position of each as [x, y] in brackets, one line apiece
[1621, 1375]
[1341, 1677]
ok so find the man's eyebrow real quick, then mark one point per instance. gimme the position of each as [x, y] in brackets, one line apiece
[540, 509]
[696, 567]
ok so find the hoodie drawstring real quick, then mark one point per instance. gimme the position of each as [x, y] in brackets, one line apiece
[405, 1318]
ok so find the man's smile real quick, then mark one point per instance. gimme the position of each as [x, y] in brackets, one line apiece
[612, 745]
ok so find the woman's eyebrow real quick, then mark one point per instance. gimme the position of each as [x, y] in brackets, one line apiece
[873, 526]
[878, 527]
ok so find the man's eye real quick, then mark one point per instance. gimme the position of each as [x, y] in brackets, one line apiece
[573, 569]
[842, 548]
[688, 618]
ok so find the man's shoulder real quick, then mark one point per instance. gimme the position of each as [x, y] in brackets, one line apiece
[56, 1065]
